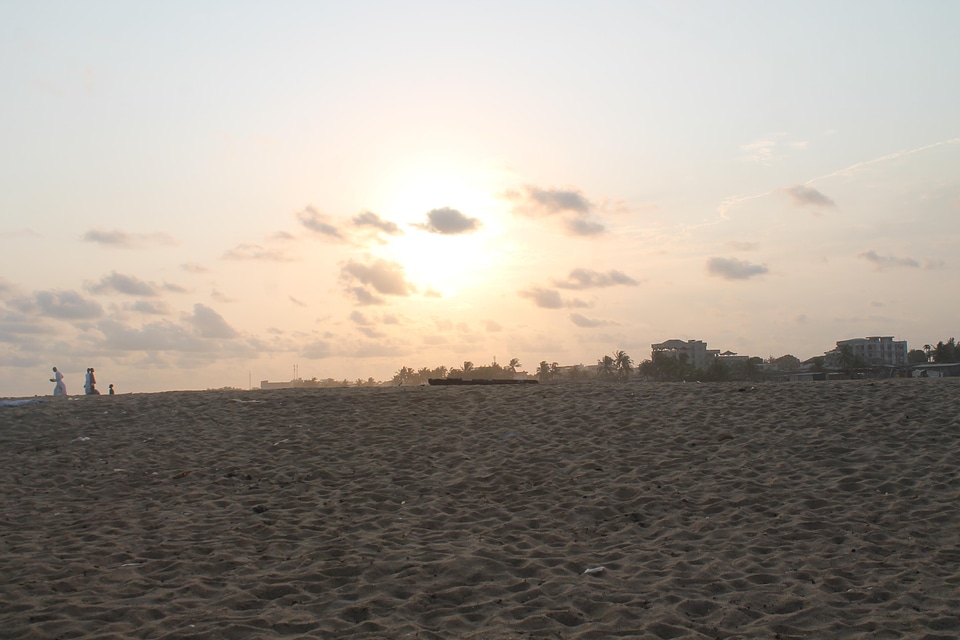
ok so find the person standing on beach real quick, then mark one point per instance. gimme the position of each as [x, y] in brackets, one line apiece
[112, 392]
[61, 388]
[91, 384]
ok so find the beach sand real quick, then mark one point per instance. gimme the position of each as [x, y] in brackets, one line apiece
[794, 510]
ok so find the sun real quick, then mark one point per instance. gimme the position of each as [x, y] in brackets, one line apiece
[444, 263]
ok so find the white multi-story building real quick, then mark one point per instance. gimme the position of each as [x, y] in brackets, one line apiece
[876, 350]
[696, 352]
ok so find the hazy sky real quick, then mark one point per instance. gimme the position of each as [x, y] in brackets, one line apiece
[197, 194]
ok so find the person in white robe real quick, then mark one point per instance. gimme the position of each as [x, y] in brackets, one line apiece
[60, 389]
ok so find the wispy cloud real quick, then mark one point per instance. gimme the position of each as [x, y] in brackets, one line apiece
[807, 196]
[884, 262]
[256, 252]
[124, 240]
[319, 223]
[573, 207]
[733, 269]
[771, 148]
[588, 279]
[382, 276]
[588, 323]
[447, 221]
[550, 299]
[124, 284]
[372, 220]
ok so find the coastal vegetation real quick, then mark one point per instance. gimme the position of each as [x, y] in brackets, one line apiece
[618, 366]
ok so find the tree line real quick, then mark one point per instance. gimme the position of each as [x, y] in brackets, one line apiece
[619, 366]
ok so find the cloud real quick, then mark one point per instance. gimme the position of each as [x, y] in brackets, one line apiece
[370, 219]
[299, 303]
[589, 279]
[882, 262]
[492, 326]
[210, 324]
[151, 307]
[550, 299]
[219, 296]
[733, 269]
[67, 305]
[193, 267]
[583, 227]
[387, 278]
[256, 252]
[449, 222]
[585, 322]
[126, 285]
[156, 336]
[360, 319]
[804, 196]
[741, 245]
[533, 200]
[318, 223]
[571, 204]
[124, 240]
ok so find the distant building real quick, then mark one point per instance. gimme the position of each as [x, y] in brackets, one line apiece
[695, 351]
[266, 384]
[875, 351]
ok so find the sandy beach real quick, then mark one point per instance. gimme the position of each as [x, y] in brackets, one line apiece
[714, 511]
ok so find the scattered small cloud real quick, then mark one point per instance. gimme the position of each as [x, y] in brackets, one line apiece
[733, 269]
[299, 303]
[883, 262]
[570, 204]
[67, 305]
[589, 279]
[372, 220]
[123, 240]
[449, 222]
[173, 288]
[492, 326]
[584, 227]
[804, 196]
[741, 245]
[533, 200]
[550, 299]
[587, 323]
[319, 223]
[387, 278]
[432, 293]
[124, 284]
[360, 319]
[256, 252]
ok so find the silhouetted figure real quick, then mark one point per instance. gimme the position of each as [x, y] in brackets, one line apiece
[112, 392]
[60, 389]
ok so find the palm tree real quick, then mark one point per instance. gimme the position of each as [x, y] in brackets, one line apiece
[606, 367]
[554, 370]
[543, 371]
[514, 365]
[623, 363]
